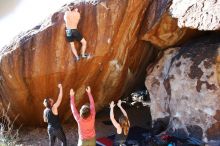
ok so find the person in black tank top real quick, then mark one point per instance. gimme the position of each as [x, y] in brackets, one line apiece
[122, 127]
[53, 120]
[120, 139]
[51, 116]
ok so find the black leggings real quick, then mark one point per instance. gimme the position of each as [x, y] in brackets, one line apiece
[56, 133]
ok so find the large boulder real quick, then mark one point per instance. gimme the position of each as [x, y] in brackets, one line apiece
[197, 14]
[184, 83]
[161, 29]
[37, 60]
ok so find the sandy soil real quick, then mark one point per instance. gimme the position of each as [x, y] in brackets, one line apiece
[39, 137]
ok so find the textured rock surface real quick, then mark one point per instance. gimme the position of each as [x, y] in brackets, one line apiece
[160, 28]
[33, 65]
[184, 84]
[197, 14]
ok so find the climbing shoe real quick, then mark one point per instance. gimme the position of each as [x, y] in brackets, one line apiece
[77, 59]
[86, 56]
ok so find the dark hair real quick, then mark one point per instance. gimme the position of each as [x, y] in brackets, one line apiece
[85, 111]
[124, 123]
[47, 102]
[70, 7]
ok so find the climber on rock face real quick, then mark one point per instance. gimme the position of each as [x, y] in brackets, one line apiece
[71, 18]
[51, 116]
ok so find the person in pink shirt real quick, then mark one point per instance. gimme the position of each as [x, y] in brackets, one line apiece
[85, 120]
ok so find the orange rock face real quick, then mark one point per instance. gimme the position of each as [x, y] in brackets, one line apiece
[36, 61]
[165, 33]
[161, 29]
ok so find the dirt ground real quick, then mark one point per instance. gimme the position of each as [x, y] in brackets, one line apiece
[39, 136]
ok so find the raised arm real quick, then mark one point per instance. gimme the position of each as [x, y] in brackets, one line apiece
[73, 106]
[114, 122]
[64, 17]
[91, 100]
[68, 9]
[60, 96]
[123, 111]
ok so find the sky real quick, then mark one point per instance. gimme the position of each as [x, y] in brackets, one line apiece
[20, 15]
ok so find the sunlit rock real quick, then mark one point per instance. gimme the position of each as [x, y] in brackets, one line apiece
[161, 29]
[37, 60]
[184, 83]
[197, 14]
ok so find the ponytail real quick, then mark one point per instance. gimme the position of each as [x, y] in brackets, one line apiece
[124, 123]
[47, 103]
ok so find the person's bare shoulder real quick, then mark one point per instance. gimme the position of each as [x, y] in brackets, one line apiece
[66, 15]
[67, 12]
[78, 13]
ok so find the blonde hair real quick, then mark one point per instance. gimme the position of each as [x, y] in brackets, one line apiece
[124, 123]
[85, 111]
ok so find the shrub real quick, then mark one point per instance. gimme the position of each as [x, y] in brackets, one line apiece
[9, 135]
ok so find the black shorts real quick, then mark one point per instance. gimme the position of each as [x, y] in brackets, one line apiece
[73, 34]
